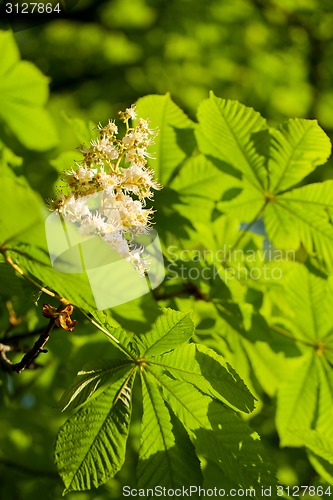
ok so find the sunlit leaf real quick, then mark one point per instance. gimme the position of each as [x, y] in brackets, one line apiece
[228, 131]
[93, 376]
[200, 366]
[175, 134]
[23, 95]
[91, 445]
[297, 148]
[220, 435]
[166, 457]
[170, 331]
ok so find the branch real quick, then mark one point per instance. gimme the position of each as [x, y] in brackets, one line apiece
[60, 317]
[30, 356]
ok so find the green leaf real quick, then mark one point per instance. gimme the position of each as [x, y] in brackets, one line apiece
[318, 443]
[135, 316]
[301, 215]
[272, 161]
[228, 131]
[322, 467]
[297, 148]
[200, 178]
[23, 95]
[220, 435]
[305, 398]
[22, 212]
[174, 141]
[323, 422]
[171, 330]
[84, 130]
[308, 298]
[297, 400]
[166, 457]
[11, 283]
[247, 206]
[9, 52]
[91, 445]
[202, 367]
[91, 379]
[75, 288]
[106, 320]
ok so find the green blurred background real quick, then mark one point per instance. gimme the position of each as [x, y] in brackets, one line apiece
[101, 56]
[272, 55]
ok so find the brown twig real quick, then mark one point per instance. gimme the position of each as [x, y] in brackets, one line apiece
[60, 317]
[30, 356]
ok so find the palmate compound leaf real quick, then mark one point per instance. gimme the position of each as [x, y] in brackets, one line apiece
[86, 449]
[91, 445]
[202, 367]
[171, 330]
[271, 162]
[220, 435]
[300, 216]
[167, 456]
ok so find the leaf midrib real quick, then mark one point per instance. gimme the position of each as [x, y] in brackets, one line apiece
[100, 428]
[294, 150]
[247, 162]
[160, 426]
[305, 221]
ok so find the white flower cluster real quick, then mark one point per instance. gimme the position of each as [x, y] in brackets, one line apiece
[108, 190]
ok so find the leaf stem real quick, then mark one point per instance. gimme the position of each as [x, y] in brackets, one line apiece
[108, 334]
[289, 335]
[241, 236]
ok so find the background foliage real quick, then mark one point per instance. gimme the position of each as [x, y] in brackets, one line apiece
[274, 56]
